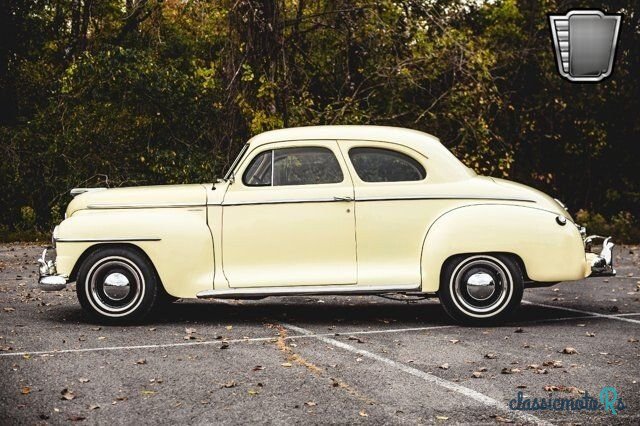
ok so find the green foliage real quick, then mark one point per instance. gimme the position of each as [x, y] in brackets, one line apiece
[623, 225]
[145, 92]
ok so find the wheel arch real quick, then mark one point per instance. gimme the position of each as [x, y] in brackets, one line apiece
[544, 249]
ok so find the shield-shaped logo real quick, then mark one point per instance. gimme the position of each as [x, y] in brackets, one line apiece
[585, 44]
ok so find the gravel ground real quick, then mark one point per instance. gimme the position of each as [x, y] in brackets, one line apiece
[316, 359]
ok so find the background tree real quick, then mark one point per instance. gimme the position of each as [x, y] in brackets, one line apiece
[132, 92]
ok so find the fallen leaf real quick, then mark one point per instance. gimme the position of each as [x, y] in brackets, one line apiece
[83, 380]
[190, 337]
[253, 392]
[26, 390]
[310, 404]
[632, 340]
[357, 339]
[476, 374]
[519, 330]
[229, 384]
[589, 334]
[286, 364]
[224, 345]
[482, 369]
[442, 418]
[8, 309]
[510, 370]
[454, 341]
[521, 386]
[141, 361]
[569, 351]
[362, 413]
[490, 356]
[445, 366]
[148, 392]
[67, 394]
[258, 368]
[94, 407]
[76, 418]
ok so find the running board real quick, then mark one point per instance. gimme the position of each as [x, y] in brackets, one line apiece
[255, 292]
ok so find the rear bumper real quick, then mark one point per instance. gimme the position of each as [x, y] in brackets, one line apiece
[48, 279]
[601, 264]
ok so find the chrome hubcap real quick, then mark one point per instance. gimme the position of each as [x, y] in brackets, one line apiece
[116, 286]
[481, 286]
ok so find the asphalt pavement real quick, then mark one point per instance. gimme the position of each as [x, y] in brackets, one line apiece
[349, 359]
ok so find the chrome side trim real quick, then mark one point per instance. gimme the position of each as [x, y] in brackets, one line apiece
[143, 206]
[303, 290]
[446, 197]
[102, 240]
[365, 199]
[78, 191]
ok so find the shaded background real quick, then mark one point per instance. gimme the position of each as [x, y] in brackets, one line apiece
[137, 92]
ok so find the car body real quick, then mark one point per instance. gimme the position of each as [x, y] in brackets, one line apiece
[322, 210]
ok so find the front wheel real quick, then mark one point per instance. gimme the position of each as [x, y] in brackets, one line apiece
[481, 289]
[117, 285]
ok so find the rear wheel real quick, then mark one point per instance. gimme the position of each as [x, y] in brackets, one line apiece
[481, 289]
[117, 285]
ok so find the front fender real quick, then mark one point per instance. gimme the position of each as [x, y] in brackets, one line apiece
[549, 251]
[177, 241]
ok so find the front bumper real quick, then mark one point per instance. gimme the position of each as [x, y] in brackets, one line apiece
[49, 280]
[601, 264]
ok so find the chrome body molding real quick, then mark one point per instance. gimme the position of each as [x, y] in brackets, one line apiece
[239, 293]
[78, 191]
[141, 206]
[103, 240]
[381, 199]
[48, 279]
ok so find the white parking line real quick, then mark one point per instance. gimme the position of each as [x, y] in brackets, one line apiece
[467, 392]
[303, 336]
[580, 311]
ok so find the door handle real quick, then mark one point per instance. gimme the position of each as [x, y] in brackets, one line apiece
[347, 198]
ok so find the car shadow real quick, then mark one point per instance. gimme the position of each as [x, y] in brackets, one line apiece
[353, 312]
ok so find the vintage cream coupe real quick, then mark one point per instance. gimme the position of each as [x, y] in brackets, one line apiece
[322, 210]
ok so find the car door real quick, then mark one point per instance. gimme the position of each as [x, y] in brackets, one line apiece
[288, 218]
[390, 220]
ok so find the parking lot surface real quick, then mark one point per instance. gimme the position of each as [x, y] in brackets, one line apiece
[317, 359]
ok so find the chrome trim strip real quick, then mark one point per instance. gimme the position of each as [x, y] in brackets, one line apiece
[304, 290]
[103, 240]
[143, 206]
[445, 197]
[407, 198]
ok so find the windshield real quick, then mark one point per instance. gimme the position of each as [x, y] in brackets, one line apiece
[229, 172]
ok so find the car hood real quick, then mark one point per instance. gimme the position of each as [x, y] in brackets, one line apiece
[140, 197]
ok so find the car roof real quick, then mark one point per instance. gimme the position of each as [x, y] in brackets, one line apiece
[368, 133]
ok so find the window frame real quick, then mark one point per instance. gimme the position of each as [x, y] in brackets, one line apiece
[398, 152]
[273, 149]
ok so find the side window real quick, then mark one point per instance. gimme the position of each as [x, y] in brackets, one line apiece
[384, 165]
[294, 166]
[259, 171]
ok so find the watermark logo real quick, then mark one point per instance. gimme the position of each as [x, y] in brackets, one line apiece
[608, 401]
[585, 44]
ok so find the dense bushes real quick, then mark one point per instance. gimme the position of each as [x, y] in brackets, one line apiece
[144, 92]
